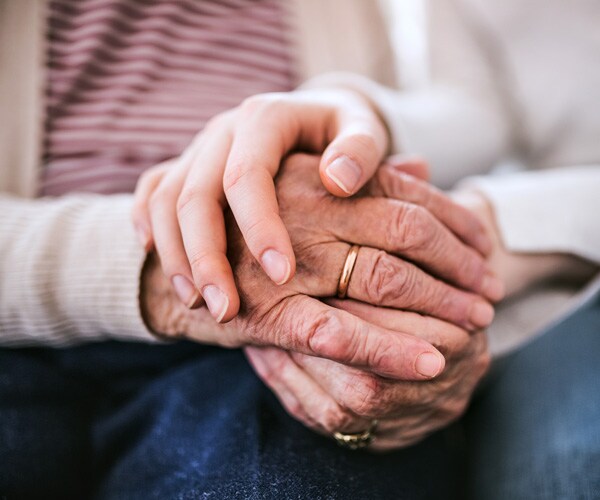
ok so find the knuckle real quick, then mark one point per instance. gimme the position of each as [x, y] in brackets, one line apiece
[448, 302]
[253, 103]
[234, 175]
[216, 122]
[321, 334]
[295, 409]
[262, 103]
[263, 324]
[200, 261]
[471, 265]
[413, 226]
[334, 419]
[156, 171]
[388, 281]
[380, 278]
[366, 399]
[256, 233]
[331, 338]
[145, 177]
[186, 199]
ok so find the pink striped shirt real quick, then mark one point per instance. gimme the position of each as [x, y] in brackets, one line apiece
[130, 82]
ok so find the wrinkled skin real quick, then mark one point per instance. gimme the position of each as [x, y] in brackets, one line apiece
[322, 228]
[328, 396]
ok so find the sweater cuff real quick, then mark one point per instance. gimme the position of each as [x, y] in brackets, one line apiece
[104, 294]
[546, 212]
[71, 270]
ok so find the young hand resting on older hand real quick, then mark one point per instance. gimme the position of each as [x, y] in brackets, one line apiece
[179, 205]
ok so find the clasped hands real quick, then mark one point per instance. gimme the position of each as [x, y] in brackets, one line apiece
[406, 346]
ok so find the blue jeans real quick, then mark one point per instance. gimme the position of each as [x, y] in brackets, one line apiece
[130, 421]
[534, 431]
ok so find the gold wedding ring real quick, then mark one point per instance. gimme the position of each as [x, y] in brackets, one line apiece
[342, 290]
[357, 440]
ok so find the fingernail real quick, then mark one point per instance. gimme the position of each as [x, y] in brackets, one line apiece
[492, 287]
[276, 265]
[184, 289]
[345, 173]
[143, 236]
[482, 314]
[216, 301]
[429, 364]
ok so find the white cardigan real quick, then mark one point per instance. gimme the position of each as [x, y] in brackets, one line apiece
[511, 79]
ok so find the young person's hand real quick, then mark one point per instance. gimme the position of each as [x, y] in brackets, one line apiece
[179, 206]
[233, 162]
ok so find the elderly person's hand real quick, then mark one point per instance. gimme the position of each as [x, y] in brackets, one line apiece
[329, 397]
[233, 162]
[322, 229]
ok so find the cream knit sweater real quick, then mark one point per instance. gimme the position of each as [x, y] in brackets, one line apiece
[512, 80]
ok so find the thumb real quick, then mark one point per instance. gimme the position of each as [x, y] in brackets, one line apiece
[353, 156]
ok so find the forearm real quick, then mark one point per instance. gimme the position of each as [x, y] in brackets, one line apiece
[70, 271]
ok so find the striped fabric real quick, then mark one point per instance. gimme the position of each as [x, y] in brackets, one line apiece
[130, 82]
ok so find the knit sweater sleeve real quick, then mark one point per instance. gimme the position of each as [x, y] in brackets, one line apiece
[70, 271]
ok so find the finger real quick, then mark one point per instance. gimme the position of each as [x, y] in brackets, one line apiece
[300, 393]
[397, 433]
[267, 366]
[306, 325]
[382, 279]
[200, 214]
[410, 165]
[168, 241]
[392, 182]
[359, 144]
[449, 339]
[261, 140]
[140, 215]
[355, 390]
[411, 231]
[367, 395]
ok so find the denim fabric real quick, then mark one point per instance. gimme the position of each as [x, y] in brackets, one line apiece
[126, 421]
[535, 431]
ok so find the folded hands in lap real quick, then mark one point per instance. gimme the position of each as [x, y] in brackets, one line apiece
[266, 256]
[330, 397]
[406, 346]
